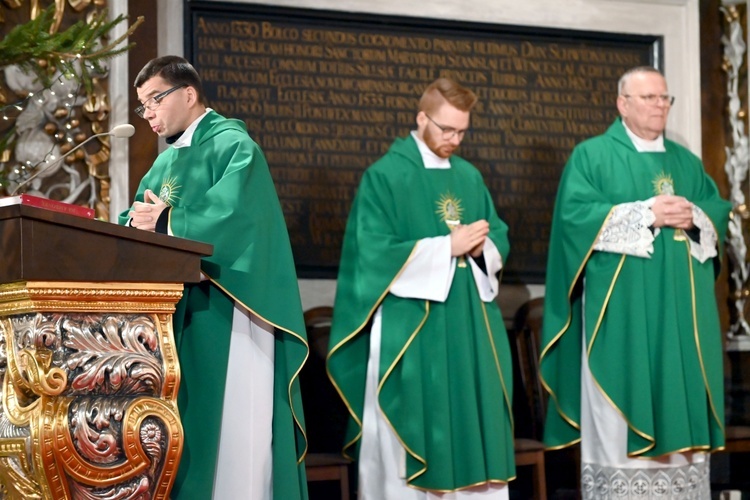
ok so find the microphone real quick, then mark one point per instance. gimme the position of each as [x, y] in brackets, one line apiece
[123, 130]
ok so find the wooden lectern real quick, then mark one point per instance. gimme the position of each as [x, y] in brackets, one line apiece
[87, 359]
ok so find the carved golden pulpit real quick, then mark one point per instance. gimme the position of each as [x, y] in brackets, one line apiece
[87, 359]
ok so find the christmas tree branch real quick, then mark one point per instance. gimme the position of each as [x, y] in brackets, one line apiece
[33, 48]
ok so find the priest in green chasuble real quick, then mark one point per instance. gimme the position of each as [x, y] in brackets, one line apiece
[418, 349]
[632, 348]
[239, 333]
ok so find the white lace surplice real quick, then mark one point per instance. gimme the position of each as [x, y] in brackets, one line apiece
[628, 231]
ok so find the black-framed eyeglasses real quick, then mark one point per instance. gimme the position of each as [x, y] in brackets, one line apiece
[448, 132]
[652, 99]
[153, 103]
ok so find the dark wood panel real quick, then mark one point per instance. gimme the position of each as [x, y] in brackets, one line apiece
[40, 244]
[714, 121]
[325, 93]
[144, 145]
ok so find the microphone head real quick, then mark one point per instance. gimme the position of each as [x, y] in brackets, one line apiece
[123, 130]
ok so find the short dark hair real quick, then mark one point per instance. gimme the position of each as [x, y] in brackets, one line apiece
[446, 90]
[174, 70]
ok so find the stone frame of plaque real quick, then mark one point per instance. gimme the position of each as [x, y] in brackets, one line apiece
[325, 93]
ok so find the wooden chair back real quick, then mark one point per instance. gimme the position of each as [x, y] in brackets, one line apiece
[325, 414]
[526, 342]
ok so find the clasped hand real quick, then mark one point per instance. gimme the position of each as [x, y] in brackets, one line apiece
[469, 238]
[672, 211]
[145, 214]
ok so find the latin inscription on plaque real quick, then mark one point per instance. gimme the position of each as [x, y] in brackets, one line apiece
[325, 96]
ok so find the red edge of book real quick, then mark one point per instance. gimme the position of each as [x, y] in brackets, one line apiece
[47, 204]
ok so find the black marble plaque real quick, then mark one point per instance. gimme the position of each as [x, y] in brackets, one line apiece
[325, 93]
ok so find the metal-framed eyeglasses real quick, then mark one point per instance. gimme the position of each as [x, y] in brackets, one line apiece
[652, 99]
[448, 132]
[153, 102]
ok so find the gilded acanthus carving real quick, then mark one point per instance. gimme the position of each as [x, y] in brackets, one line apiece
[88, 405]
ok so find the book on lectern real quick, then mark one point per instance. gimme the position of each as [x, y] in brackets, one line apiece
[47, 204]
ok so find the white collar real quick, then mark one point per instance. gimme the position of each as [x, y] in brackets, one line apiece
[187, 136]
[644, 145]
[429, 158]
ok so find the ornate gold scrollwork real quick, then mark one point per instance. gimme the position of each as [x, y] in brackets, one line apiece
[139, 440]
[39, 376]
[13, 4]
[36, 9]
[15, 472]
[18, 397]
[79, 5]
[88, 400]
[17, 413]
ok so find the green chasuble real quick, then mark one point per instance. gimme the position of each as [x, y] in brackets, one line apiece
[221, 192]
[445, 368]
[652, 331]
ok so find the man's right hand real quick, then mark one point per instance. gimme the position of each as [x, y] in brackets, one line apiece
[469, 238]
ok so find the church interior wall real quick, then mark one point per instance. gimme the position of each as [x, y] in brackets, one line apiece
[676, 21]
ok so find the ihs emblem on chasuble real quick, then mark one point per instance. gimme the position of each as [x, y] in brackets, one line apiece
[450, 211]
[168, 191]
[663, 184]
